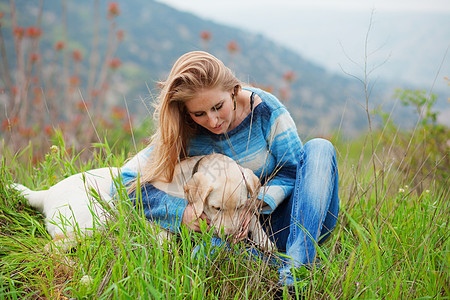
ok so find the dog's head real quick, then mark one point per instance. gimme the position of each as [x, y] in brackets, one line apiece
[224, 191]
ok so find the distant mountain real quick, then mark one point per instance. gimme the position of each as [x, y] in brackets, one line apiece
[156, 34]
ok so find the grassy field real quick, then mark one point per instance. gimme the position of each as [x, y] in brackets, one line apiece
[391, 242]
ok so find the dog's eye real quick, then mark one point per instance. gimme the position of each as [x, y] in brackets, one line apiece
[215, 208]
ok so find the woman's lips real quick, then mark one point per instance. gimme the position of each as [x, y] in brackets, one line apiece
[218, 127]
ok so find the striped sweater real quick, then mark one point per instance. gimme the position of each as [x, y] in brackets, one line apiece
[265, 142]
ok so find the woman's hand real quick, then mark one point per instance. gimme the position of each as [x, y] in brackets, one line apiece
[244, 221]
[191, 220]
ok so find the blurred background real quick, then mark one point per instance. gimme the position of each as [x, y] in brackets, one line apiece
[84, 66]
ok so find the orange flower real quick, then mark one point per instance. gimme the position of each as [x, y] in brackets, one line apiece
[82, 105]
[77, 55]
[27, 132]
[33, 32]
[95, 93]
[19, 32]
[48, 130]
[59, 45]
[289, 76]
[8, 124]
[233, 47]
[34, 57]
[15, 90]
[113, 9]
[126, 126]
[37, 91]
[205, 35]
[114, 63]
[74, 80]
[35, 79]
[118, 113]
[2, 13]
[120, 34]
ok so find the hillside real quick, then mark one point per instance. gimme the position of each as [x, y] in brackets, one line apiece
[156, 34]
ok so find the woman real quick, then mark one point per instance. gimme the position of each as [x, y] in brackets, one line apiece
[203, 108]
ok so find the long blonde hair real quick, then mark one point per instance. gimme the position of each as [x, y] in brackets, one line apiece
[191, 73]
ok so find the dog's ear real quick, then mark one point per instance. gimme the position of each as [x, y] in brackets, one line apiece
[196, 191]
[251, 181]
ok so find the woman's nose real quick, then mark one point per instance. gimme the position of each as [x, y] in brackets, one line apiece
[213, 119]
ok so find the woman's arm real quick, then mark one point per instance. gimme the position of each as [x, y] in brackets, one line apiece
[284, 145]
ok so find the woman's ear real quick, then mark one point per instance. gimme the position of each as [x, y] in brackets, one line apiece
[236, 90]
[196, 191]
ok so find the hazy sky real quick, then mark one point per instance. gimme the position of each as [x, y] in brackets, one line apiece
[215, 9]
[329, 32]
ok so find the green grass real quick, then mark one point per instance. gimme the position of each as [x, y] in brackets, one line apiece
[392, 244]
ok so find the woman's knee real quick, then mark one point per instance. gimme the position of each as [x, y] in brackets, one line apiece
[319, 143]
[319, 147]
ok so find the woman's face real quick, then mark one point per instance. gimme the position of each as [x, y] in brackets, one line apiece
[212, 109]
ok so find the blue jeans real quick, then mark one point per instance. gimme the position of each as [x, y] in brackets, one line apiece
[307, 218]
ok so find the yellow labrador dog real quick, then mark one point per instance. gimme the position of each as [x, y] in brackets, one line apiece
[214, 184]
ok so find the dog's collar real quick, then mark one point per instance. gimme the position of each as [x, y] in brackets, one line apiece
[195, 169]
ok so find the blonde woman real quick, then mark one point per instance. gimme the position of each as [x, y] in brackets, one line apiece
[203, 108]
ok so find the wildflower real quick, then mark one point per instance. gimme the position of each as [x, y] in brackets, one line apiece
[74, 80]
[8, 124]
[35, 79]
[233, 47]
[34, 57]
[427, 191]
[59, 45]
[49, 131]
[15, 90]
[95, 93]
[401, 191]
[27, 132]
[289, 76]
[37, 91]
[33, 32]
[77, 55]
[19, 32]
[82, 106]
[114, 63]
[86, 280]
[120, 34]
[54, 149]
[205, 35]
[118, 113]
[126, 126]
[113, 9]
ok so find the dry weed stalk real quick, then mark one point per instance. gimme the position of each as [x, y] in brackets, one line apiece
[40, 97]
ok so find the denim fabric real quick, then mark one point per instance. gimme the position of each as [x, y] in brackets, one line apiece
[306, 218]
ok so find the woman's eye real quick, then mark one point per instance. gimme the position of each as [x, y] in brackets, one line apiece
[198, 114]
[218, 106]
